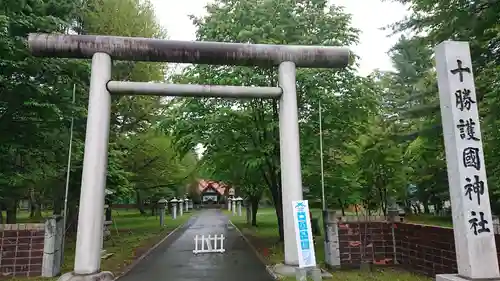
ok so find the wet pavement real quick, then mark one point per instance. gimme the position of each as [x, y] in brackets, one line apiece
[174, 259]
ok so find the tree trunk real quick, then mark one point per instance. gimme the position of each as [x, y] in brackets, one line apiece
[279, 214]
[140, 204]
[35, 208]
[12, 213]
[407, 207]
[58, 201]
[275, 175]
[385, 202]
[438, 207]
[1, 213]
[108, 211]
[32, 202]
[32, 209]
[255, 207]
[381, 197]
[72, 218]
[38, 211]
[58, 206]
[278, 207]
[249, 213]
[426, 207]
[366, 206]
[342, 207]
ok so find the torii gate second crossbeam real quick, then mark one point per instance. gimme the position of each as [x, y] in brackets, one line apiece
[102, 49]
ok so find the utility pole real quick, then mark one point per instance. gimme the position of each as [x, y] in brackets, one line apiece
[68, 172]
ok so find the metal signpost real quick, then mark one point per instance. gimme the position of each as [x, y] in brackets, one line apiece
[304, 239]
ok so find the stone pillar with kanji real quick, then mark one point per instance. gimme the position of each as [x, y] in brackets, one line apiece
[470, 202]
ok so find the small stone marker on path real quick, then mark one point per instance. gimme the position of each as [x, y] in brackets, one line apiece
[470, 201]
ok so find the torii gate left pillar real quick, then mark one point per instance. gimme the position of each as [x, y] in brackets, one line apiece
[102, 49]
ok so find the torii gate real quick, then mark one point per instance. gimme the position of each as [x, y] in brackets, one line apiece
[102, 49]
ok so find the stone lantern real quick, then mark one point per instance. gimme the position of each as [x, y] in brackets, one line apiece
[174, 202]
[162, 203]
[181, 206]
[239, 202]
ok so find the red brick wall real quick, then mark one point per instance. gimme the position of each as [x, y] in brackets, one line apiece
[429, 250]
[368, 241]
[21, 250]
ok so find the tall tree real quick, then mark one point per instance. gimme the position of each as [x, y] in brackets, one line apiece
[251, 126]
[36, 106]
[475, 22]
[35, 97]
[130, 114]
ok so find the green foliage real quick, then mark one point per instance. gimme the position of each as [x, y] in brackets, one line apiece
[380, 133]
[36, 108]
[241, 137]
[35, 98]
[411, 91]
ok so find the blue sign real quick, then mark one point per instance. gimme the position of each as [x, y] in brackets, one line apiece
[303, 234]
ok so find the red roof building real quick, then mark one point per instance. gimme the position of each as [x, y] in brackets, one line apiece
[212, 191]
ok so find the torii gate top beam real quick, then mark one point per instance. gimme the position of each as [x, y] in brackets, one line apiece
[200, 52]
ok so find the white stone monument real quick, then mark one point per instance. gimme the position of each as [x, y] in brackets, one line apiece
[470, 202]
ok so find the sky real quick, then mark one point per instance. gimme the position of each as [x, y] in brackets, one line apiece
[367, 15]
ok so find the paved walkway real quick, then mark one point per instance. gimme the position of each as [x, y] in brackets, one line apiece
[174, 259]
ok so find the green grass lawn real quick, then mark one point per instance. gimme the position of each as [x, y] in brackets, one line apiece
[430, 220]
[131, 236]
[264, 238]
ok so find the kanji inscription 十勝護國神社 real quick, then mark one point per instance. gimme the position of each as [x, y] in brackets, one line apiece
[472, 218]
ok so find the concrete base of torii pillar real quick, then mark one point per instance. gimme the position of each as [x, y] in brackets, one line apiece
[284, 270]
[100, 276]
[456, 277]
